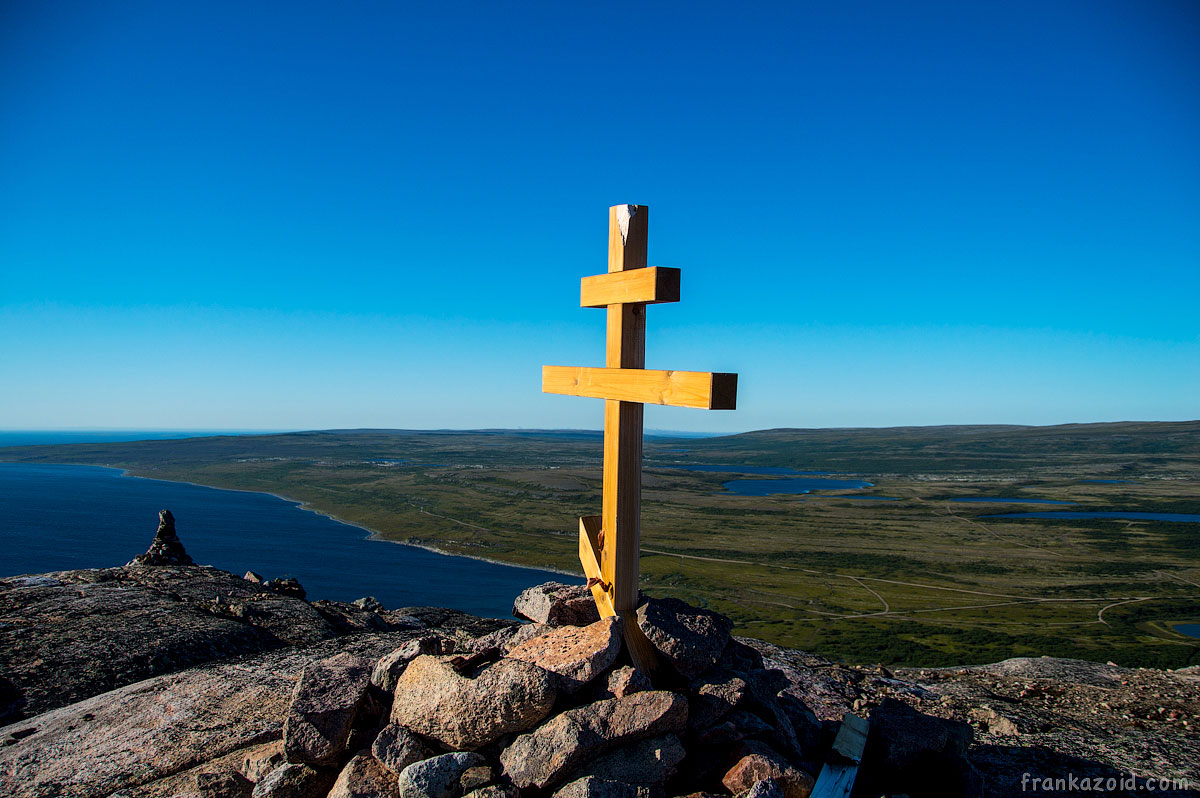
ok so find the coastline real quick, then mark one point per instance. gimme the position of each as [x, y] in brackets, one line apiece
[372, 534]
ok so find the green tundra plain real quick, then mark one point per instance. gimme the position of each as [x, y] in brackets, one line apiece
[921, 580]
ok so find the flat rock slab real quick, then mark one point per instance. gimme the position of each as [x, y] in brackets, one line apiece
[142, 735]
[688, 637]
[576, 654]
[557, 604]
[153, 728]
[467, 711]
[324, 703]
[543, 757]
[71, 635]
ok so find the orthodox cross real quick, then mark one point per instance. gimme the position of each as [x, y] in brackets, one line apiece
[609, 543]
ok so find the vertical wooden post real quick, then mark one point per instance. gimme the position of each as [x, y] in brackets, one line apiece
[609, 544]
[628, 228]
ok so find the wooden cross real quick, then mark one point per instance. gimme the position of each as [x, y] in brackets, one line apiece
[609, 544]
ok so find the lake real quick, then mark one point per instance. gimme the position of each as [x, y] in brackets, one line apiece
[64, 517]
[1189, 629]
[1187, 518]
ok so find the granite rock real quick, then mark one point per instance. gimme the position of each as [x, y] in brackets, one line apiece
[592, 787]
[396, 748]
[557, 604]
[442, 776]
[576, 654]
[649, 762]
[468, 711]
[387, 671]
[761, 762]
[323, 708]
[690, 638]
[543, 757]
[223, 784]
[364, 777]
[294, 780]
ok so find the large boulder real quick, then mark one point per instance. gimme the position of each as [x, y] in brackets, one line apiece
[715, 697]
[261, 760]
[444, 776]
[576, 654]
[324, 704]
[592, 787]
[506, 639]
[396, 748]
[387, 671]
[543, 757]
[364, 777]
[466, 711]
[758, 763]
[557, 604]
[295, 780]
[688, 637]
[909, 751]
[650, 762]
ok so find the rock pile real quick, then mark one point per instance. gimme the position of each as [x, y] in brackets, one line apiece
[165, 549]
[555, 708]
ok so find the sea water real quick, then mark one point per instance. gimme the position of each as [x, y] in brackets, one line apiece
[64, 517]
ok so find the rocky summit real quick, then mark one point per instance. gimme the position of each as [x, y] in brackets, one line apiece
[170, 679]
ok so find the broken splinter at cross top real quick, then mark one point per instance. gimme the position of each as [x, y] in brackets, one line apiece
[609, 543]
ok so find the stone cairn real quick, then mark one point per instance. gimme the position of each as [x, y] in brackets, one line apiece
[166, 549]
[554, 708]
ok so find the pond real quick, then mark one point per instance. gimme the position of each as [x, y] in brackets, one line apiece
[1188, 629]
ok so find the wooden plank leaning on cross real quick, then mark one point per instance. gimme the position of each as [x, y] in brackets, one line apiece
[609, 544]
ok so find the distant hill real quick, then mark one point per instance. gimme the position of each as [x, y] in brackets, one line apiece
[1138, 444]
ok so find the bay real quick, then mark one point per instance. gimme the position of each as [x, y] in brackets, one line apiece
[64, 517]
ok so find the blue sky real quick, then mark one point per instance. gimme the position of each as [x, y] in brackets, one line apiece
[375, 214]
